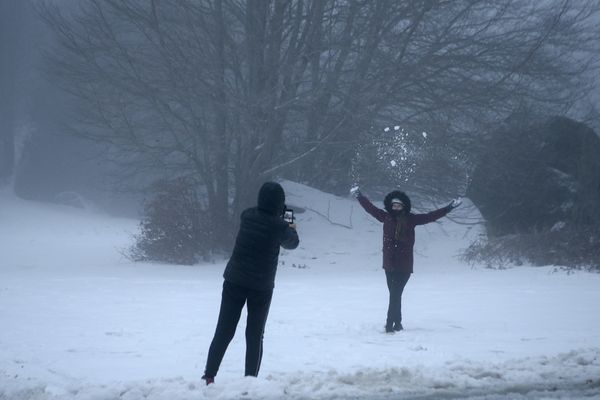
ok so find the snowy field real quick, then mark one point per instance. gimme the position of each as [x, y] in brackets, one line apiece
[79, 321]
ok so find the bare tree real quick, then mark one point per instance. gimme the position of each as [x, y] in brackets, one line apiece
[451, 68]
[233, 92]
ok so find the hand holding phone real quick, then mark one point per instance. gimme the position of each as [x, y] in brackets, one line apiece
[288, 215]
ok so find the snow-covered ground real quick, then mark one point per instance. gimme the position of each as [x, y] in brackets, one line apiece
[79, 321]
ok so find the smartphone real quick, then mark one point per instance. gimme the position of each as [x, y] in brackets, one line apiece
[288, 216]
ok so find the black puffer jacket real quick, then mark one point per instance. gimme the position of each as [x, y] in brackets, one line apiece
[253, 263]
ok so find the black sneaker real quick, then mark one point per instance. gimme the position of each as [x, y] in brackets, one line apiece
[398, 327]
[208, 379]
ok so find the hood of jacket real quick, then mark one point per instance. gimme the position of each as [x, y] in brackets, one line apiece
[271, 198]
[396, 194]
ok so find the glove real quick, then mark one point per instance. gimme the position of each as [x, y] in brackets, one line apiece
[455, 203]
[355, 191]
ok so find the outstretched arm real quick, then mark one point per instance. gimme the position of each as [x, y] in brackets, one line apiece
[422, 219]
[378, 213]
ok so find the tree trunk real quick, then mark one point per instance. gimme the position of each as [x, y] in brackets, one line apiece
[9, 14]
[221, 216]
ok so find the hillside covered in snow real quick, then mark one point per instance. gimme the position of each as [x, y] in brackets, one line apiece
[80, 321]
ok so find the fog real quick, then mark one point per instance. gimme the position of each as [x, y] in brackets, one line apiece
[100, 100]
[39, 159]
[134, 134]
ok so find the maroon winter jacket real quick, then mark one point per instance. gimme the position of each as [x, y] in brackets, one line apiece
[398, 253]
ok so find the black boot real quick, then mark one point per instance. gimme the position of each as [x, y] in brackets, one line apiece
[398, 326]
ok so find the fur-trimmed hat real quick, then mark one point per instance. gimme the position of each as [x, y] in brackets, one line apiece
[396, 194]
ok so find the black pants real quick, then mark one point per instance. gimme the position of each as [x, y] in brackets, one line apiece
[396, 280]
[232, 301]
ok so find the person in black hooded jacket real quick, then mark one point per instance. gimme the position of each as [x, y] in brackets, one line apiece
[249, 278]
